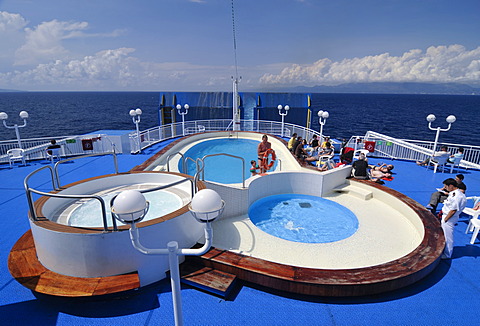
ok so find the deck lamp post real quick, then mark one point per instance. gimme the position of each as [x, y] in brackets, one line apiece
[183, 113]
[322, 118]
[23, 115]
[130, 207]
[135, 114]
[430, 118]
[283, 114]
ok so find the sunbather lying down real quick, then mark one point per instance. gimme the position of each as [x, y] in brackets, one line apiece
[383, 171]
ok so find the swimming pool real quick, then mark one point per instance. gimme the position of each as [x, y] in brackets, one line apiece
[223, 169]
[89, 213]
[303, 218]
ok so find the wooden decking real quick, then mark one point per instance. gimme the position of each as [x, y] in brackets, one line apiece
[28, 271]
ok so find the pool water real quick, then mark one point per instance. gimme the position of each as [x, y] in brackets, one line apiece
[223, 169]
[89, 214]
[303, 218]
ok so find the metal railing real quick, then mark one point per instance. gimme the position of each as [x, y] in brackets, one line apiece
[154, 135]
[35, 148]
[412, 150]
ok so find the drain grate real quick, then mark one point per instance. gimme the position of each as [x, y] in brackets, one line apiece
[305, 205]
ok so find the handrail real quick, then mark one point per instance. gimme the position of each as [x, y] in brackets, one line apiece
[183, 160]
[57, 175]
[225, 154]
[28, 189]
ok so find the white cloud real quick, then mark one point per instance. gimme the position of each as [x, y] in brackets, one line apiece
[44, 43]
[11, 22]
[452, 63]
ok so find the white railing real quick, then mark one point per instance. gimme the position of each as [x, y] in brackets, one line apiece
[157, 134]
[412, 150]
[35, 148]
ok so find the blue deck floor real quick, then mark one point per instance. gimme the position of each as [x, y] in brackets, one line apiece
[448, 296]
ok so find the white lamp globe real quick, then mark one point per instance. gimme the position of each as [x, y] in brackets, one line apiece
[138, 111]
[287, 107]
[3, 116]
[431, 117]
[24, 114]
[129, 205]
[279, 107]
[325, 114]
[206, 201]
[320, 113]
[451, 119]
[186, 106]
[132, 113]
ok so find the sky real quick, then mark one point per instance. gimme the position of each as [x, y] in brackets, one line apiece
[188, 45]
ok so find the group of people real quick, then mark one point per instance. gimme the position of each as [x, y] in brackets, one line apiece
[452, 195]
[311, 151]
[362, 170]
[444, 153]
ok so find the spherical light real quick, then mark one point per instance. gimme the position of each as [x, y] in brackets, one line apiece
[320, 113]
[325, 114]
[431, 117]
[179, 107]
[186, 106]
[24, 115]
[287, 107]
[138, 111]
[132, 113]
[451, 119]
[206, 200]
[129, 205]
[279, 107]
[3, 116]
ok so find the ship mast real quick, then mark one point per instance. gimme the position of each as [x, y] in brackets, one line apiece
[236, 80]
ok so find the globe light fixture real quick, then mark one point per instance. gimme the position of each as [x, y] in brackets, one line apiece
[322, 119]
[431, 118]
[24, 116]
[183, 113]
[130, 206]
[135, 114]
[283, 114]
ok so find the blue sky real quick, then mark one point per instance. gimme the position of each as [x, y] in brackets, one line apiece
[187, 45]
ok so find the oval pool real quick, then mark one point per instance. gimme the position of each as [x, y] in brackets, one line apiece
[223, 169]
[303, 218]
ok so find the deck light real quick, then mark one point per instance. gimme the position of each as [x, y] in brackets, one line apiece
[130, 207]
[135, 114]
[322, 118]
[24, 116]
[283, 114]
[430, 118]
[183, 113]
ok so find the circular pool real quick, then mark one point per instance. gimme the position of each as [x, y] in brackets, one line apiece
[303, 218]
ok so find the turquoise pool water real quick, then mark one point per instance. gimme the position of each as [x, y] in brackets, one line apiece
[303, 218]
[223, 169]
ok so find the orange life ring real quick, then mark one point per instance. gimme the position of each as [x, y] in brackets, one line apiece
[265, 163]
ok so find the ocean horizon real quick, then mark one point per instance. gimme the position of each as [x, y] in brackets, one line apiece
[54, 114]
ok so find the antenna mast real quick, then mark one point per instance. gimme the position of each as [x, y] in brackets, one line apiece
[236, 98]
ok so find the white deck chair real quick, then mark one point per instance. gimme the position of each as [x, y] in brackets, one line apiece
[326, 159]
[456, 162]
[438, 161]
[474, 223]
[16, 154]
[357, 153]
[55, 153]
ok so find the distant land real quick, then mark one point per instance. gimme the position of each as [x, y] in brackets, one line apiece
[387, 88]
[9, 90]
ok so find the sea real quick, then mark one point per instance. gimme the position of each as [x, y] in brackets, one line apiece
[53, 114]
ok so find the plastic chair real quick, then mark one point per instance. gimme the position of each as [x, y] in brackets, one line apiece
[16, 154]
[325, 160]
[357, 153]
[456, 162]
[439, 161]
[474, 223]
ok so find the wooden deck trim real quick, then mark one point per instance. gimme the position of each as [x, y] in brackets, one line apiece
[53, 226]
[340, 282]
[29, 272]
